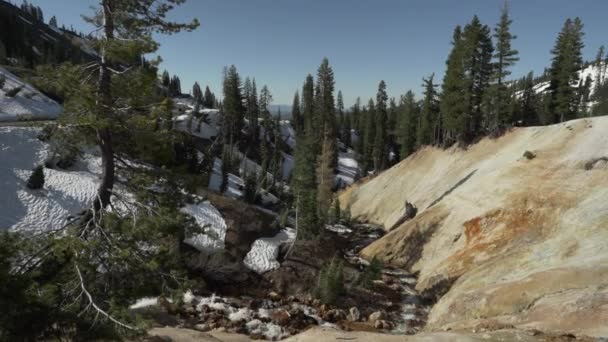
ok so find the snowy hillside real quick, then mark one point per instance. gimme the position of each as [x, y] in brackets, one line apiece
[64, 192]
[592, 71]
[206, 125]
[27, 103]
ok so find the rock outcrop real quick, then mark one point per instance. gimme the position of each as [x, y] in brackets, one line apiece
[500, 239]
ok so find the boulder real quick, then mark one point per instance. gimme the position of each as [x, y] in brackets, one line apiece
[376, 316]
[353, 314]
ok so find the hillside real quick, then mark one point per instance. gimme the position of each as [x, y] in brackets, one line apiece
[513, 241]
[27, 103]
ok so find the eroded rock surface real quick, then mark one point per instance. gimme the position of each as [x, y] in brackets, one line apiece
[501, 240]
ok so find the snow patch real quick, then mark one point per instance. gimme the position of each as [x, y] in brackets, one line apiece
[264, 252]
[213, 224]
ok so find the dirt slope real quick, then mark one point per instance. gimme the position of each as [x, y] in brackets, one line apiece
[514, 241]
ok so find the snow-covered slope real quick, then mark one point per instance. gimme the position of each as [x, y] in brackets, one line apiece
[64, 192]
[28, 103]
[67, 192]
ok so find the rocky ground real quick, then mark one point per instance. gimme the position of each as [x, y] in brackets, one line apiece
[277, 306]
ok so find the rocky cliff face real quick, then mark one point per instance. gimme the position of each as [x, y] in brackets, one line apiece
[502, 239]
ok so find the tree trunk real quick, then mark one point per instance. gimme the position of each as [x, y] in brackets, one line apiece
[104, 134]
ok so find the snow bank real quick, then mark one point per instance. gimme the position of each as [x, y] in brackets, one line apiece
[65, 192]
[348, 167]
[28, 103]
[213, 224]
[264, 252]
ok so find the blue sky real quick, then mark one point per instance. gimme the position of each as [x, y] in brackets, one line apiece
[400, 41]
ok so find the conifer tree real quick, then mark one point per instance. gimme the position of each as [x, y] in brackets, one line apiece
[408, 122]
[304, 184]
[96, 250]
[497, 109]
[197, 93]
[296, 115]
[380, 153]
[429, 114]
[453, 97]
[209, 99]
[325, 175]
[233, 108]
[251, 109]
[599, 68]
[53, 21]
[340, 115]
[477, 55]
[528, 103]
[308, 99]
[564, 76]
[166, 80]
[369, 136]
[355, 115]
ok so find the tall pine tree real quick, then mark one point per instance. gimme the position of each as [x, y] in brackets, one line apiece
[564, 72]
[380, 153]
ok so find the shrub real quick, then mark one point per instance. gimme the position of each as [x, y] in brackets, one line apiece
[13, 92]
[250, 187]
[330, 285]
[529, 155]
[371, 273]
[336, 212]
[2, 80]
[36, 180]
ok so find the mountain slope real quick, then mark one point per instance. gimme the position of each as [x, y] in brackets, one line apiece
[512, 240]
[28, 103]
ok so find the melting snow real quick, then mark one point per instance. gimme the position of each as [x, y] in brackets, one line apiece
[264, 252]
[211, 220]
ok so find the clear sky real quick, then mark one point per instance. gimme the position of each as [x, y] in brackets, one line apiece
[280, 41]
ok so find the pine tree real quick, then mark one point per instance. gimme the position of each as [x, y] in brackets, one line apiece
[325, 122]
[265, 102]
[380, 153]
[369, 136]
[497, 109]
[304, 185]
[197, 93]
[233, 109]
[477, 56]
[355, 115]
[408, 122]
[53, 21]
[296, 115]
[566, 63]
[453, 97]
[308, 99]
[251, 108]
[324, 104]
[340, 116]
[325, 175]
[429, 114]
[599, 69]
[209, 99]
[166, 80]
[36, 180]
[528, 103]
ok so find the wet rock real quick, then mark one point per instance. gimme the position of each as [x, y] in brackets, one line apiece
[353, 314]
